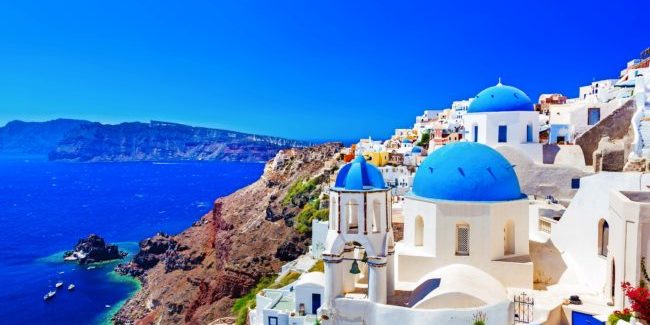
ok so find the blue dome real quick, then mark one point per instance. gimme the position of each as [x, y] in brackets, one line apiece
[500, 98]
[466, 171]
[359, 175]
[416, 149]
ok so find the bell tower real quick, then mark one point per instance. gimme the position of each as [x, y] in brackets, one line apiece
[359, 246]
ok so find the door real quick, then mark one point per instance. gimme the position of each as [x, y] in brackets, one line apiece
[593, 115]
[273, 320]
[315, 303]
[578, 318]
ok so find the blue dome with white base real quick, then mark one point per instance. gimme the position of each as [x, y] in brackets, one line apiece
[466, 171]
[359, 175]
[500, 98]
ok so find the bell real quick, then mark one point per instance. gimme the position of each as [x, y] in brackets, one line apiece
[365, 257]
[355, 268]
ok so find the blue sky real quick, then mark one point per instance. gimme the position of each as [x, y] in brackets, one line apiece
[299, 69]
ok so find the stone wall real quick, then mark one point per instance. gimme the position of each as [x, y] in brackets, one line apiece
[615, 126]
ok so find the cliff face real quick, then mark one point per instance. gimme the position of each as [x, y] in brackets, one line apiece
[38, 138]
[195, 276]
[160, 141]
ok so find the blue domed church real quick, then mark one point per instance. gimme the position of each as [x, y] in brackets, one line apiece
[466, 210]
[465, 242]
[504, 116]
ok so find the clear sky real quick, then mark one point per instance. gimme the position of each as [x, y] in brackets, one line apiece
[299, 69]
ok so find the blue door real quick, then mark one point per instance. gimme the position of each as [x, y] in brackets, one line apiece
[529, 133]
[503, 133]
[315, 303]
[593, 115]
[578, 318]
[475, 133]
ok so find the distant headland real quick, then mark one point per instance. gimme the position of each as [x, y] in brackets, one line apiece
[86, 141]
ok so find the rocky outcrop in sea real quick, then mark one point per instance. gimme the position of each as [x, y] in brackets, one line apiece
[93, 250]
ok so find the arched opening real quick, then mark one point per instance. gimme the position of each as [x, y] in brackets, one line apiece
[603, 237]
[462, 239]
[352, 217]
[418, 239]
[612, 289]
[509, 238]
[376, 216]
[334, 212]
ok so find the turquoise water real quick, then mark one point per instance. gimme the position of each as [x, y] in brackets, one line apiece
[46, 207]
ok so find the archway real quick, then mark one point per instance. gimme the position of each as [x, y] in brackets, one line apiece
[603, 237]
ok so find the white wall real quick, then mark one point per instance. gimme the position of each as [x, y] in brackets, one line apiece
[576, 234]
[516, 123]
[366, 312]
[486, 240]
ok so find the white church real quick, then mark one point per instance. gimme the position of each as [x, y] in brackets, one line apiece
[504, 116]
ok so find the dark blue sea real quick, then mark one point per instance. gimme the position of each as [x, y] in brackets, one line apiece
[45, 207]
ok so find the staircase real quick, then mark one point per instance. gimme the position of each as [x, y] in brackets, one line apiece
[641, 118]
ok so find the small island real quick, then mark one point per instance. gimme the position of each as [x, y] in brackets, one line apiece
[93, 250]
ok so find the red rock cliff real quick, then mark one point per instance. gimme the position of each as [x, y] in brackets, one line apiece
[194, 277]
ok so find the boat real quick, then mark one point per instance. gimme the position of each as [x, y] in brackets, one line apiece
[71, 286]
[90, 267]
[49, 295]
[58, 284]
[107, 306]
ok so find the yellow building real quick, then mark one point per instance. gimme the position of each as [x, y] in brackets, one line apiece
[378, 159]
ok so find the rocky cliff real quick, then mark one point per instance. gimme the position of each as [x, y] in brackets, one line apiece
[195, 276]
[161, 141]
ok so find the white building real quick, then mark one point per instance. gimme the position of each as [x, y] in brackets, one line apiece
[504, 116]
[295, 304]
[398, 178]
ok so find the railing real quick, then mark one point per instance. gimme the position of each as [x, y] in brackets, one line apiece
[545, 226]
[524, 305]
[641, 92]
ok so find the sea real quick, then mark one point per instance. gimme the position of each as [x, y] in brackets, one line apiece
[46, 207]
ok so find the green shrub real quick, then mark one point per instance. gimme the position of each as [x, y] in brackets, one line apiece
[242, 305]
[299, 192]
[285, 280]
[625, 314]
[424, 142]
[309, 212]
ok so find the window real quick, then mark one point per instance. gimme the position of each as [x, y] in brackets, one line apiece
[462, 239]
[593, 115]
[575, 183]
[352, 217]
[376, 216]
[529, 132]
[273, 320]
[475, 133]
[603, 237]
[503, 133]
[419, 231]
